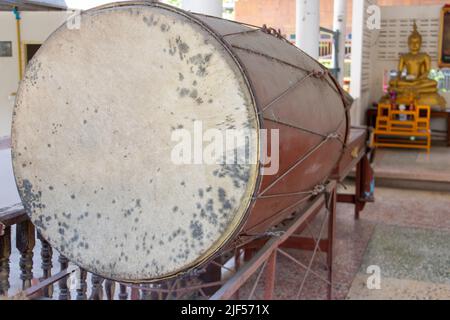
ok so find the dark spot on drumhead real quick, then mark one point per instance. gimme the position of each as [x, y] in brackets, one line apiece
[138, 203]
[194, 94]
[67, 215]
[72, 196]
[196, 230]
[175, 209]
[183, 48]
[50, 188]
[148, 21]
[184, 92]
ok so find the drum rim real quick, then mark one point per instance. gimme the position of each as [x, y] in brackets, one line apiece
[255, 180]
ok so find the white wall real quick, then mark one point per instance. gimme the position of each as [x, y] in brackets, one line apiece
[361, 60]
[36, 27]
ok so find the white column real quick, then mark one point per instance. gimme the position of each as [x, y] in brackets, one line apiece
[308, 26]
[357, 60]
[209, 7]
[340, 24]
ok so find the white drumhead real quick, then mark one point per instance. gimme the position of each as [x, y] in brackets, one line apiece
[92, 142]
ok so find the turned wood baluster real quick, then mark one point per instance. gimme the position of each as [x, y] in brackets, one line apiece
[97, 288]
[146, 294]
[47, 265]
[5, 252]
[110, 288]
[25, 241]
[82, 285]
[123, 294]
[64, 293]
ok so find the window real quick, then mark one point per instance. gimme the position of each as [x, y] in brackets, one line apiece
[5, 49]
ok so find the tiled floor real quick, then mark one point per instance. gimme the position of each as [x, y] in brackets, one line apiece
[414, 264]
[413, 164]
[405, 233]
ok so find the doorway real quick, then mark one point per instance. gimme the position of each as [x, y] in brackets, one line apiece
[30, 51]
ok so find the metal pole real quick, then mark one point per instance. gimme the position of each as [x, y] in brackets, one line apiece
[19, 41]
[339, 26]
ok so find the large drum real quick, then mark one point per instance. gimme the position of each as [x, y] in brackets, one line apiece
[114, 119]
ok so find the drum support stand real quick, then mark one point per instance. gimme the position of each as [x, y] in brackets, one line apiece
[263, 253]
[255, 264]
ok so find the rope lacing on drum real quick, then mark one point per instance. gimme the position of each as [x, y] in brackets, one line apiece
[319, 189]
[320, 74]
[267, 234]
[314, 192]
[272, 31]
[194, 273]
[330, 136]
[333, 135]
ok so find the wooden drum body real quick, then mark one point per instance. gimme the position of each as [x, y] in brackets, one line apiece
[93, 137]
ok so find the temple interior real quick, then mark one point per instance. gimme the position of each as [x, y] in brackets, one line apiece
[371, 220]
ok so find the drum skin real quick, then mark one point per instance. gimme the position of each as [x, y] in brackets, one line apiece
[93, 127]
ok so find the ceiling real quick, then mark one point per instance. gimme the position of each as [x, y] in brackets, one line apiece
[24, 5]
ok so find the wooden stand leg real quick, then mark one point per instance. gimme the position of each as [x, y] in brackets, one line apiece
[110, 288]
[25, 241]
[135, 294]
[148, 295]
[97, 288]
[358, 187]
[46, 257]
[5, 252]
[82, 285]
[123, 294]
[64, 293]
[270, 276]
[213, 274]
[237, 265]
[331, 237]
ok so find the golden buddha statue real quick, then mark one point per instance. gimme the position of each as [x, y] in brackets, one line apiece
[416, 85]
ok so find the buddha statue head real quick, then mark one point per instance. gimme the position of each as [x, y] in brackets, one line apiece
[415, 41]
